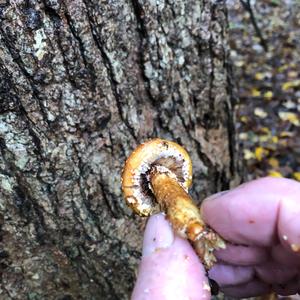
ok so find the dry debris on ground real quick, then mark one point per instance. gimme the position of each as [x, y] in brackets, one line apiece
[268, 115]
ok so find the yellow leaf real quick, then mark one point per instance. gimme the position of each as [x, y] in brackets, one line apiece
[255, 93]
[265, 130]
[292, 74]
[290, 84]
[248, 154]
[244, 119]
[283, 68]
[285, 134]
[259, 112]
[264, 138]
[273, 162]
[274, 173]
[289, 116]
[259, 76]
[275, 139]
[283, 143]
[260, 153]
[268, 95]
[286, 86]
[296, 175]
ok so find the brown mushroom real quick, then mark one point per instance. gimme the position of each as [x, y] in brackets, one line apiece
[160, 172]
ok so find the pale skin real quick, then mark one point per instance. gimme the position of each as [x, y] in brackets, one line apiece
[260, 221]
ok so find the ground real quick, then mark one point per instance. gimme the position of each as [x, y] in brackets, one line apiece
[268, 112]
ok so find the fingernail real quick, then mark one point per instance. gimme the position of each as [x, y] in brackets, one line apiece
[158, 235]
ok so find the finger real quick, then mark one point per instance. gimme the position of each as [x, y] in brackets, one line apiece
[289, 221]
[170, 268]
[242, 255]
[250, 289]
[290, 288]
[248, 214]
[226, 275]
[284, 256]
[272, 272]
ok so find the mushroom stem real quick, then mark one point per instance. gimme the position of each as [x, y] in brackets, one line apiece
[184, 216]
[178, 205]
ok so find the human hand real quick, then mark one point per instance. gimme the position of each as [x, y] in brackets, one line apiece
[260, 221]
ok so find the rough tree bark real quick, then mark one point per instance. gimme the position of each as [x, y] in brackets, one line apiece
[81, 84]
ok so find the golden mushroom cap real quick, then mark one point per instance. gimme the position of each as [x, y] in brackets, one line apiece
[135, 177]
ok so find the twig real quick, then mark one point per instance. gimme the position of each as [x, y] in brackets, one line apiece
[247, 6]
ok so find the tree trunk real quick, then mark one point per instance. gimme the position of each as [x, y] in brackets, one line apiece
[82, 83]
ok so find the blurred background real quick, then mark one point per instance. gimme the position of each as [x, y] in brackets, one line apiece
[264, 38]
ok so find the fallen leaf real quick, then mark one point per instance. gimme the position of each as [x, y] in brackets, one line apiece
[265, 130]
[290, 84]
[259, 112]
[248, 154]
[255, 92]
[296, 175]
[243, 136]
[292, 74]
[259, 76]
[289, 104]
[244, 119]
[239, 63]
[268, 95]
[283, 143]
[260, 153]
[274, 173]
[289, 116]
[264, 138]
[283, 68]
[273, 162]
[285, 134]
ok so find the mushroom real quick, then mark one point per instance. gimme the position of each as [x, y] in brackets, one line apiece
[158, 174]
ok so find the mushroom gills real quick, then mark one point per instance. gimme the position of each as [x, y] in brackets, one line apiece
[143, 191]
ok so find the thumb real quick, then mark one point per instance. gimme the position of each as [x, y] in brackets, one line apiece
[169, 268]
